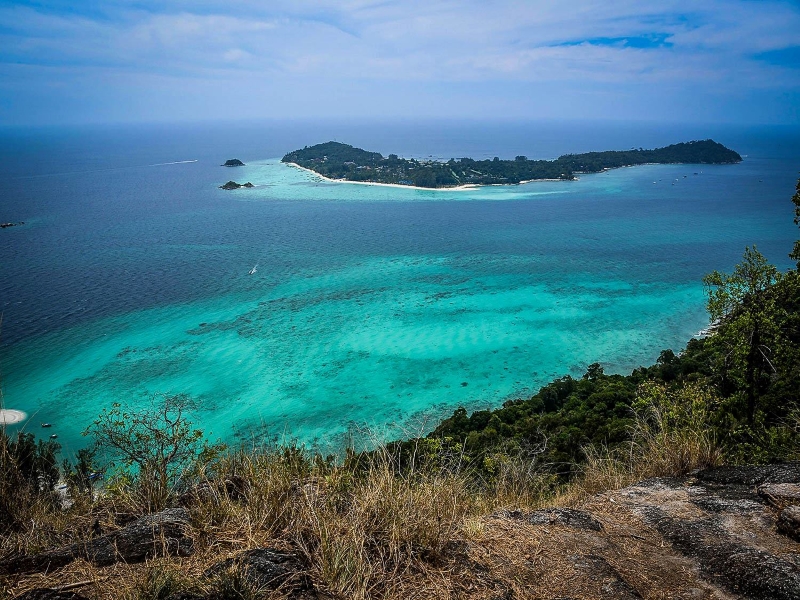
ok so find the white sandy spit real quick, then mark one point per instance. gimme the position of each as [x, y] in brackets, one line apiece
[460, 188]
[9, 417]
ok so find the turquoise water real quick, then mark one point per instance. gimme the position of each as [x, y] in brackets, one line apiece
[372, 307]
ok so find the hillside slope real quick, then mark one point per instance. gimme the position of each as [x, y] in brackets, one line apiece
[716, 534]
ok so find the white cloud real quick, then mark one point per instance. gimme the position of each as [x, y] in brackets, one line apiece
[543, 46]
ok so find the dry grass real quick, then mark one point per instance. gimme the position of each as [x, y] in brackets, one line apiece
[387, 524]
[362, 530]
[670, 438]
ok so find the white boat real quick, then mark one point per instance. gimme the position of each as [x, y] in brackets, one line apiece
[253, 270]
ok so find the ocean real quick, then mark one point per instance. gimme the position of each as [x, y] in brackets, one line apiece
[373, 311]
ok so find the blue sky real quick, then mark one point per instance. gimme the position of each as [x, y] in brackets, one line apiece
[179, 60]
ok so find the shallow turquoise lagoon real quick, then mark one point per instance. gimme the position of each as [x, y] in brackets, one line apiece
[389, 343]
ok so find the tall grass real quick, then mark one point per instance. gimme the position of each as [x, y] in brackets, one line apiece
[672, 436]
[385, 524]
[359, 525]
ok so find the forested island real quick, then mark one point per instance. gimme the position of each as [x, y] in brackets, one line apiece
[336, 160]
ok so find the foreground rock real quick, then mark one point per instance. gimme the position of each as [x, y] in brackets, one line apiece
[230, 488]
[780, 494]
[159, 534]
[266, 569]
[233, 162]
[232, 185]
[50, 594]
[719, 534]
[789, 522]
[255, 574]
[568, 517]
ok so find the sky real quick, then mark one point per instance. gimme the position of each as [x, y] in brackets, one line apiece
[91, 61]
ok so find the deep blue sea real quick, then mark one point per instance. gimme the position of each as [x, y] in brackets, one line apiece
[372, 308]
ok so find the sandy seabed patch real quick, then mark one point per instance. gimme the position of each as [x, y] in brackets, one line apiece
[9, 416]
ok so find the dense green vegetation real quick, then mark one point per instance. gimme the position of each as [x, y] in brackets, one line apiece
[695, 153]
[28, 475]
[341, 161]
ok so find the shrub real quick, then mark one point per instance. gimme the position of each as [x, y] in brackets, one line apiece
[158, 448]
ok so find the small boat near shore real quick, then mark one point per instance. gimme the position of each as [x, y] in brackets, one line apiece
[253, 270]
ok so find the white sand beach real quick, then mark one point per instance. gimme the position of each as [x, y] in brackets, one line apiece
[460, 188]
[9, 416]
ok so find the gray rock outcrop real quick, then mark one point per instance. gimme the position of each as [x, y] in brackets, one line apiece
[265, 569]
[729, 532]
[153, 535]
[789, 522]
[232, 185]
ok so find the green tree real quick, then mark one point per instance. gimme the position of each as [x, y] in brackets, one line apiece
[81, 475]
[795, 253]
[425, 177]
[593, 371]
[744, 306]
[28, 474]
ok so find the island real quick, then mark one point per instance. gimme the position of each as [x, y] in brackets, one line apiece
[342, 162]
[233, 162]
[232, 185]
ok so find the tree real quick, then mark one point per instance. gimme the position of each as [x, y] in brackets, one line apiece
[742, 303]
[795, 253]
[81, 476]
[158, 446]
[28, 473]
[425, 178]
[668, 365]
[593, 371]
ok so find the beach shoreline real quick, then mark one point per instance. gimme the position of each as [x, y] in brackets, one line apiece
[460, 188]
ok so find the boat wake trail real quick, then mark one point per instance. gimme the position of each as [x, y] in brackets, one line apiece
[177, 162]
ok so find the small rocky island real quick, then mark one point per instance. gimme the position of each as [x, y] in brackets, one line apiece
[233, 162]
[335, 160]
[4, 225]
[232, 185]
